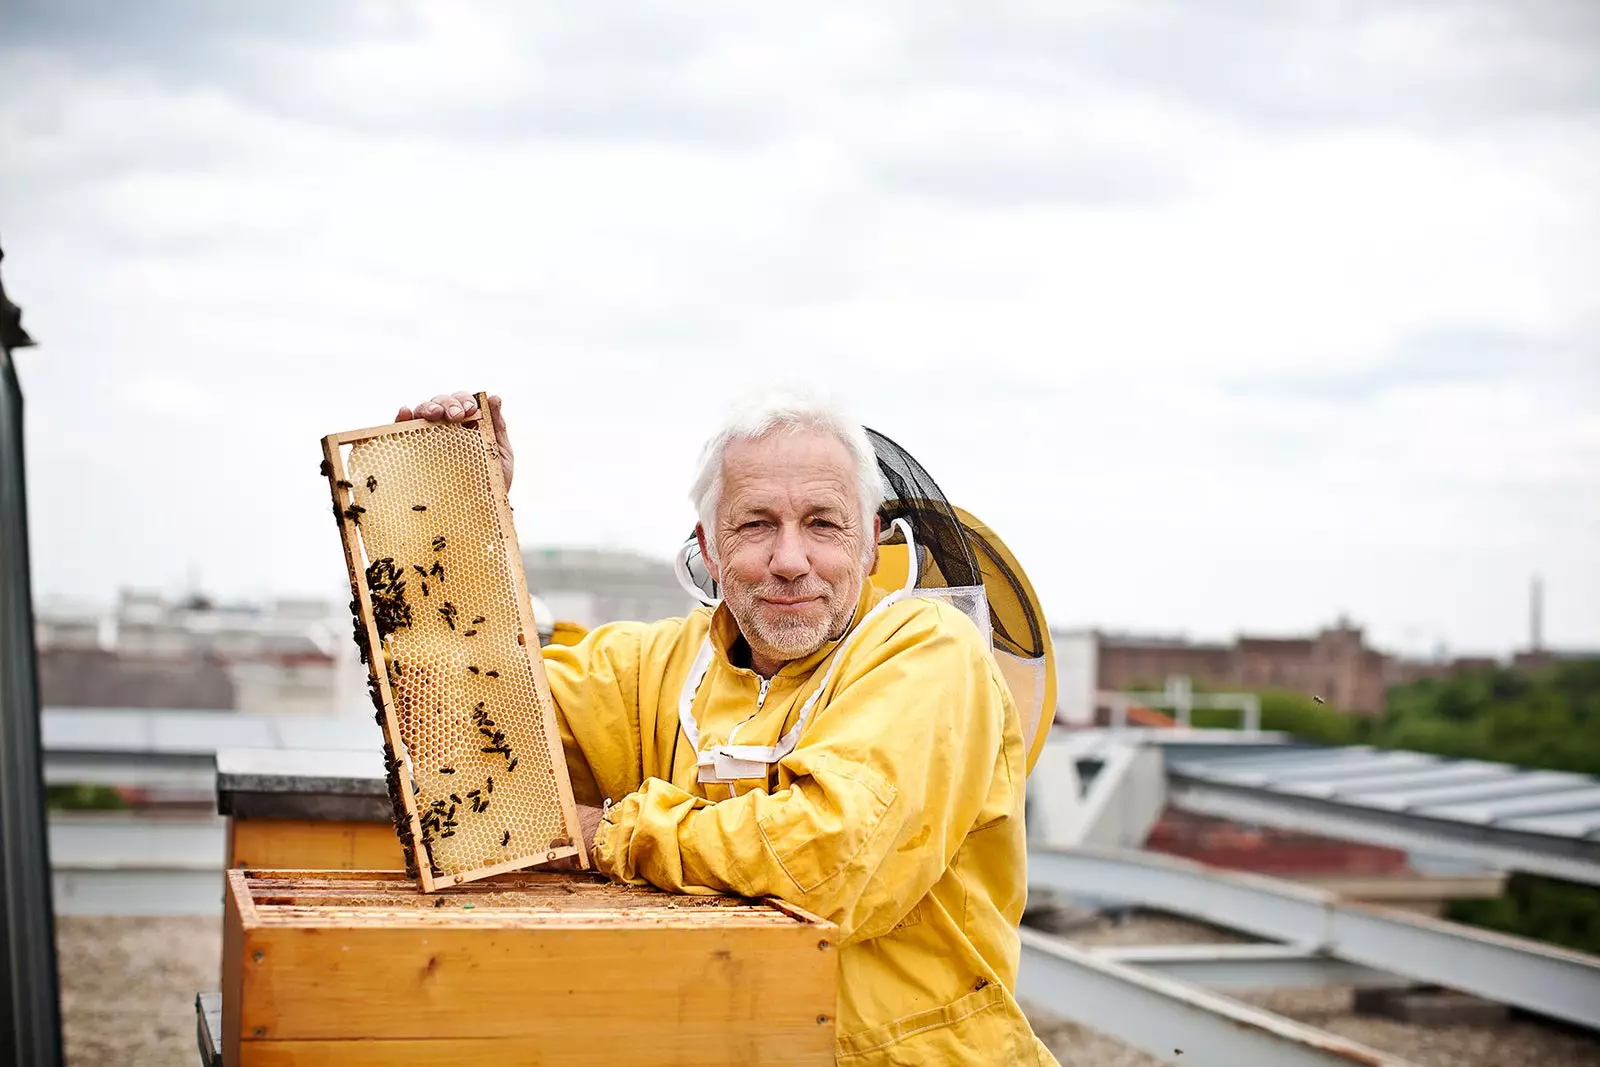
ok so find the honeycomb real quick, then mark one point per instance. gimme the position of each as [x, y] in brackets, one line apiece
[467, 682]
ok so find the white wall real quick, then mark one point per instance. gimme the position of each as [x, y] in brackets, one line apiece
[1077, 653]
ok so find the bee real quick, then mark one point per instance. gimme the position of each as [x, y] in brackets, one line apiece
[491, 674]
[483, 805]
[326, 469]
[448, 833]
[448, 611]
[447, 770]
[1318, 699]
[438, 543]
[511, 766]
[419, 507]
[477, 620]
[358, 509]
[372, 483]
[455, 798]
[506, 840]
[468, 633]
[425, 593]
[418, 568]
[479, 708]
[489, 783]
[438, 902]
[437, 570]
[472, 793]
[342, 484]
[471, 668]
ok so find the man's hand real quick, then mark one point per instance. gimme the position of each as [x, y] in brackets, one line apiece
[459, 407]
[589, 824]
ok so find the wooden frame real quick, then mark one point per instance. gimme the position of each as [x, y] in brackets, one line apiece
[527, 640]
[350, 967]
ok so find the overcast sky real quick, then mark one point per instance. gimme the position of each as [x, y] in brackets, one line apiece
[1229, 316]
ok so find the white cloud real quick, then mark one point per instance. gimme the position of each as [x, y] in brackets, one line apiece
[1226, 320]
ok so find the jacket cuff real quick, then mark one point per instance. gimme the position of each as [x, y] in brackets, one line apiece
[611, 838]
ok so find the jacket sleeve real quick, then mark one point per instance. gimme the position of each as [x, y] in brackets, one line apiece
[595, 684]
[887, 781]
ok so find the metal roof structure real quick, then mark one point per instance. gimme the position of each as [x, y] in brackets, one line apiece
[1526, 974]
[178, 748]
[1542, 822]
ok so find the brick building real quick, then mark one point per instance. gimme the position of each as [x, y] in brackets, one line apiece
[1335, 664]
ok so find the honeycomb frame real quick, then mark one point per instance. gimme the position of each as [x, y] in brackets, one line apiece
[419, 793]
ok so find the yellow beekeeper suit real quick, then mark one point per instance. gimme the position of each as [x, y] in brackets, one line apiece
[898, 815]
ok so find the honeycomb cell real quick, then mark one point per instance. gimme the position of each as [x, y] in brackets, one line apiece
[468, 685]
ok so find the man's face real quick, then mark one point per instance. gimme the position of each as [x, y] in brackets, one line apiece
[792, 544]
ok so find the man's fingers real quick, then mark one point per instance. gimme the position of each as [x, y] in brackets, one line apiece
[498, 419]
[445, 407]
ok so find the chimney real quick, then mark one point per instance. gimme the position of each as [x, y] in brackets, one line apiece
[1536, 615]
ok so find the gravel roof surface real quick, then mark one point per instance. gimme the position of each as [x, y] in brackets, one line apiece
[128, 986]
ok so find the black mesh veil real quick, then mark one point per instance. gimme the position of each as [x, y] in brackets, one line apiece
[952, 552]
[945, 554]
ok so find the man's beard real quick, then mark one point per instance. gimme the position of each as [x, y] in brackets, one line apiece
[787, 636]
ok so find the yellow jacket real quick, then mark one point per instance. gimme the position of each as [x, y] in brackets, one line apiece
[897, 816]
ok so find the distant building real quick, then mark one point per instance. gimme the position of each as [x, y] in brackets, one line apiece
[594, 586]
[1335, 664]
[290, 656]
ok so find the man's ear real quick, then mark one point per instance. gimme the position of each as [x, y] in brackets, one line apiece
[877, 530]
[705, 554]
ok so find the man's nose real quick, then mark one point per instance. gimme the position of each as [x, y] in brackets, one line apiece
[789, 557]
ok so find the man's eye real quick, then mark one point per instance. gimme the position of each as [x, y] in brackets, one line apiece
[824, 524]
[754, 524]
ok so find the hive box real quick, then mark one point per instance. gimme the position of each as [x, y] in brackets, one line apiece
[357, 968]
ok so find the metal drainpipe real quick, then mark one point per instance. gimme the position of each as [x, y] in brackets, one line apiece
[30, 1014]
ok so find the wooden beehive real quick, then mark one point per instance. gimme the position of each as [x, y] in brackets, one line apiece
[477, 778]
[355, 968]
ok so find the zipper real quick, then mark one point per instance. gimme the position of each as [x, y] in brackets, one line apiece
[761, 700]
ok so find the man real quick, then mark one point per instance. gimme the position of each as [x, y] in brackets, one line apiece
[893, 801]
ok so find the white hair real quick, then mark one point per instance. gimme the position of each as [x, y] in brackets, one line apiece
[772, 412]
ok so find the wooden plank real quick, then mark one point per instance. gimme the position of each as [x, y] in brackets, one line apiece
[512, 865]
[314, 844]
[237, 912]
[683, 989]
[604, 1049]
[530, 631]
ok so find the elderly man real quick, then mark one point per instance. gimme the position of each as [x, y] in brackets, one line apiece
[893, 802]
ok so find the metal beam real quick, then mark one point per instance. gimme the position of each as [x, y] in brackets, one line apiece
[1171, 1020]
[1574, 859]
[1525, 974]
[30, 1019]
[1245, 966]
